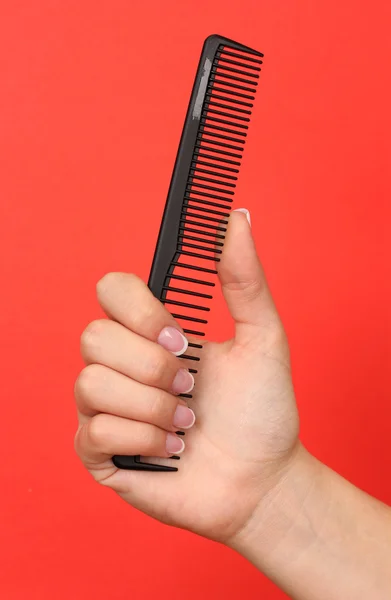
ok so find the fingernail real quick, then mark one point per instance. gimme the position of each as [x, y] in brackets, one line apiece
[184, 418]
[171, 339]
[183, 382]
[174, 444]
[246, 212]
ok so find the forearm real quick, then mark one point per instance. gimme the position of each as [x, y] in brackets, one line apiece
[319, 537]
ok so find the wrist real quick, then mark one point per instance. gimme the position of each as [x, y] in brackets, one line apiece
[318, 536]
[278, 528]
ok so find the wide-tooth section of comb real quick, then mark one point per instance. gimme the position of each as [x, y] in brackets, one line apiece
[201, 192]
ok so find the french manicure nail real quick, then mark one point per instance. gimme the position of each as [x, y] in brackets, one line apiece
[184, 418]
[246, 212]
[183, 382]
[174, 444]
[173, 340]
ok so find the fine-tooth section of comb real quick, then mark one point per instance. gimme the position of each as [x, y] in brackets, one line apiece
[200, 196]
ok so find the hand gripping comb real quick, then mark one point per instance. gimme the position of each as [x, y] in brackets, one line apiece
[201, 190]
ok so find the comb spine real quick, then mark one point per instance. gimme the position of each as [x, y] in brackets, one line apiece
[166, 249]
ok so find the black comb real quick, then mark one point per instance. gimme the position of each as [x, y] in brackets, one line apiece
[201, 191]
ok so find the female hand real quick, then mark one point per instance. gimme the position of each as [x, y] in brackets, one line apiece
[244, 478]
[245, 436]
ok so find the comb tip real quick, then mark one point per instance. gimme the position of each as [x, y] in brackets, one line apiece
[215, 38]
[133, 463]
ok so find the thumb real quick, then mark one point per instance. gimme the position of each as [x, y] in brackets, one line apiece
[243, 281]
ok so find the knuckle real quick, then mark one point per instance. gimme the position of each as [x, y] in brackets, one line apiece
[245, 292]
[91, 336]
[108, 281]
[149, 439]
[76, 441]
[252, 288]
[144, 312]
[96, 432]
[162, 410]
[156, 370]
[113, 281]
[88, 381]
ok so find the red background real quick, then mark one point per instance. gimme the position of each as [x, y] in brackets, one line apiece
[93, 96]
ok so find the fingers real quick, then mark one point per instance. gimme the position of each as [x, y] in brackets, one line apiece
[126, 395]
[242, 278]
[104, 436]
[126, 299]
[102, 390]
[110, 344]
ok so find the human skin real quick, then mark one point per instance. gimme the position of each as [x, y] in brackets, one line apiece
[245, 479]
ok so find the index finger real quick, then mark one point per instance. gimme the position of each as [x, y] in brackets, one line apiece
[127, 299]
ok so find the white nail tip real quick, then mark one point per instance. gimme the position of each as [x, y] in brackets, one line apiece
[189, 426]
[246, 212]
[182, 449]
[191, 387]
[177, 451]
[185, 346]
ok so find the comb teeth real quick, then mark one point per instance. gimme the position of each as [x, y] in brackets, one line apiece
[194, 176]
[205, 241]
[215, 88]
[221, 134]
[221, 167]
[188, 292]
[202, 189]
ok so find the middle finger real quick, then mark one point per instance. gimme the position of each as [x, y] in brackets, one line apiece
[110, 344]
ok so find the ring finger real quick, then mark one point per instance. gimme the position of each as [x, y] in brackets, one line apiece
[99, 389]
